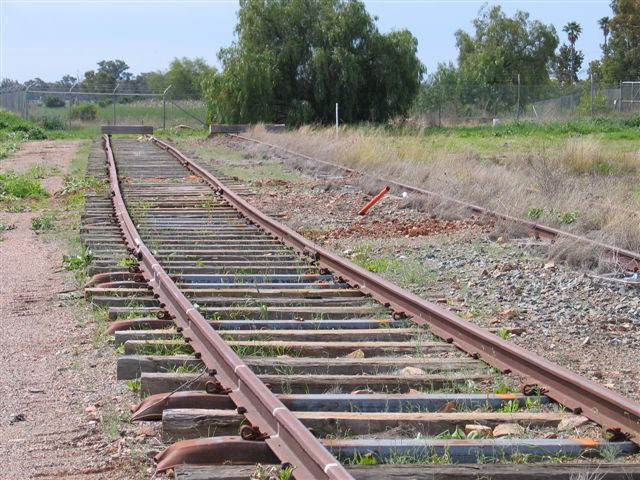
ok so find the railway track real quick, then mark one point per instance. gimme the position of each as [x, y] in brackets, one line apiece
[254, 346]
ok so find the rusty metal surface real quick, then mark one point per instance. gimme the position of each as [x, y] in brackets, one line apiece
[221, 450]
[284, 433]
[622, 256]
[601, 405]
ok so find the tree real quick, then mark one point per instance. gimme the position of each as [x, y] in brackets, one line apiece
[504, 47]
[622, 61]
[295, 59]
[116, 69]
[605, 25]
[568, 64]
[36, 84]
[490, 61]
[184, 75]
[573, 31]
[595, 70]
[9, 84]
[108, 75]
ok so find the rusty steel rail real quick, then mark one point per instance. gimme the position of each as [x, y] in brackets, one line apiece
[287, 437]
[625, 257]
[607, 408]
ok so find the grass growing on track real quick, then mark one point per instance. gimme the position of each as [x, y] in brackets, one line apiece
[236, 164]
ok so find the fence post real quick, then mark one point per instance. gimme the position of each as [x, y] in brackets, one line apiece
[518, 112]
[440, 99]
[337, 121]
[114, 102]
[620, 98]
[26, 102]
[164, 108]
[591, 97]
[70, 99]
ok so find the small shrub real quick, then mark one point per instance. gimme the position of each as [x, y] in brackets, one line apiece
[534, 213]
[84, 184]
[512, 406]
[135, 385]
[105, 102]
[20, 128]
[77, 262]
[51, 123]
[20, 186]
[84, 112]
[502, 388]
[503, 333]
[43, 223]
[567, 218]
[633, 122]
[127, 262]
[600, 104]
[52, 101]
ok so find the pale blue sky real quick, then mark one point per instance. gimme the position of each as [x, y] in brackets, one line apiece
[48, 39]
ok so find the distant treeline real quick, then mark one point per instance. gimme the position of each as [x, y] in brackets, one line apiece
[293, 60]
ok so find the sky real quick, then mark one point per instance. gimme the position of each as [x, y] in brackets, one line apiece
[48, 38]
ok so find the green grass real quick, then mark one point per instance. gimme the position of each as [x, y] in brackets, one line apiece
[406, 271]
[43, 222]
[14, 130]
[15, 186]
[145, 112]
[520, 136]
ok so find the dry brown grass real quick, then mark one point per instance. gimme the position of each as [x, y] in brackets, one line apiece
[587, 156]
[584, 186]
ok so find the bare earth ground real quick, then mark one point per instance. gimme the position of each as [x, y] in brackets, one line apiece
[60, 405]
[587, 325]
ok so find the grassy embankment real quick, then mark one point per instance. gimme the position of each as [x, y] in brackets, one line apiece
[581, 176]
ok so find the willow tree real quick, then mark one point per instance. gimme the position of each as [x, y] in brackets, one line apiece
[293, 60]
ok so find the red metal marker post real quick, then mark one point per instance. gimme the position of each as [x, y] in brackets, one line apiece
[373, 201]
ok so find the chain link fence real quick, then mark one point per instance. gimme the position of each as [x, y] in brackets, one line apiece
[58, 109]
[460, 104]
[437, 104]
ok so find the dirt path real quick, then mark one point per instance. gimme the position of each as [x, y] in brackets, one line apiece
[59, 401]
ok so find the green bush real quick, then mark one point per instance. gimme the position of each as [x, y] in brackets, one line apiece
[51, 123]
[13, 124]
[43, 223]
[633, 121]
[84, 112]
[20, 186]
[53, 102]
[105, 102]
[600, 104]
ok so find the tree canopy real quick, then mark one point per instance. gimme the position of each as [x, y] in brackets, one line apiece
[294, 59]
[185, 76]
[503, 47]
[489, 62]
[622, 54]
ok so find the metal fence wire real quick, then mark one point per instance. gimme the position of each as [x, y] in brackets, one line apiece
[58, 109]
[455, 104]
[437, 104]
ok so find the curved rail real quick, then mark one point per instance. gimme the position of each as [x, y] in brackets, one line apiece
[287, 437]
[625, 257]
[599, 404]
